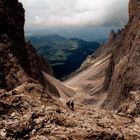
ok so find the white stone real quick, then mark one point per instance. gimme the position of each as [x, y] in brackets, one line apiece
[3, 132]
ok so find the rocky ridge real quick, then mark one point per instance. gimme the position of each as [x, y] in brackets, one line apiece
[18, 60]
[123, 75]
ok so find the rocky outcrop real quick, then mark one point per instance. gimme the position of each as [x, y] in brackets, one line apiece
[123, 75]
[134, 8]
[12, 20]
[19, 61]
[112, 36]
[12, 25]
[28, 113]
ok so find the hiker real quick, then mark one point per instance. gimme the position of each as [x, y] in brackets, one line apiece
[70, 105]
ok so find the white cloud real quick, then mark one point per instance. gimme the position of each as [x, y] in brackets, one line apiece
[60, 13]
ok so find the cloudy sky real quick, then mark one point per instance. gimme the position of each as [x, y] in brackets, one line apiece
[85, 19]
[44, 14]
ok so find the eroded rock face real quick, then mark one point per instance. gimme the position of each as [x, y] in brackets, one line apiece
[123, 75]
[112, 36]
[134, 8]
[19, 61]
[12, 19]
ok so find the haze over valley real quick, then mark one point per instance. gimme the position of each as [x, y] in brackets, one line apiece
[65, 55]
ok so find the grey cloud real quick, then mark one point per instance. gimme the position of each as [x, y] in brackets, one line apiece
[75, 13]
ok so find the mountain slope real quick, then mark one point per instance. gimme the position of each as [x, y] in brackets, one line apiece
[61, 52]
[103, 51]
[89, 79]
[123, 76]
[88, 83]
[64, 92]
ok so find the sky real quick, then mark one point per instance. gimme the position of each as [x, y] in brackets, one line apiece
[74, 14]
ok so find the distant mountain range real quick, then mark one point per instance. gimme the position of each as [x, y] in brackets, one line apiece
[65, 55]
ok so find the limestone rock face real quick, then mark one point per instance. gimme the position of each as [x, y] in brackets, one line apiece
[134, 8]
[12, 19]
[123, 74]
[19, 61]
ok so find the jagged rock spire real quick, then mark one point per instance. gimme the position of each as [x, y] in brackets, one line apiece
[112, 36]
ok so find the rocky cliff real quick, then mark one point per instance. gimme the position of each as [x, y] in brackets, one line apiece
[134, 8]
[123, 75]
[19, 62]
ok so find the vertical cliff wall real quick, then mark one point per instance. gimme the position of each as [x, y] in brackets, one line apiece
[134, 8]
[123, 75]
[19, 61]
